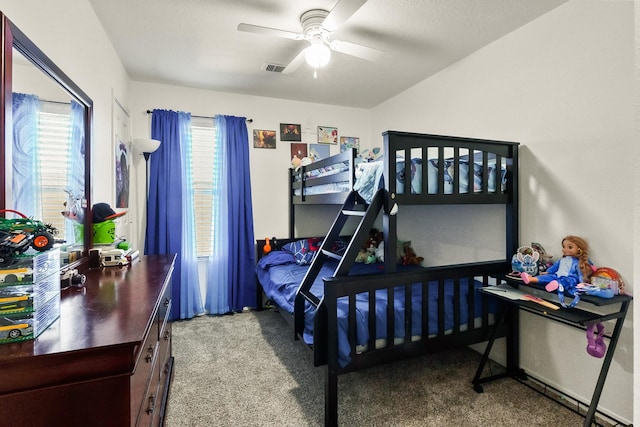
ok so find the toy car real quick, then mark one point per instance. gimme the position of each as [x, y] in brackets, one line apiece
[10, 301]
[113, 258]
[16, 275]
[19, 234]
[14, 328]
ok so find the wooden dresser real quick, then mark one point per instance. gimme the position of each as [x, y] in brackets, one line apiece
[105, 362]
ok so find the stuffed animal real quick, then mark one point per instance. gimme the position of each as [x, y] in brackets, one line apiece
[305, 161]
[410, 257]
[295, 161]
[362, 256]
[375, 238]
[380, 252]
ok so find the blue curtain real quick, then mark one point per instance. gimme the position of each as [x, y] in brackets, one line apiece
[231, 284]
[75, 176]
[165, 232]
[26, 157]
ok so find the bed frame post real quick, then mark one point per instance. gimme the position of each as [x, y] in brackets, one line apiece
[512, 213]
[331, 397]
[292, 208]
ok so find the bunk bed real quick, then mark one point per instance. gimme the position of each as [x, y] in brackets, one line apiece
[355, 316]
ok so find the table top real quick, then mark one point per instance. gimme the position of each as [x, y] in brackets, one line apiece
[113, 308]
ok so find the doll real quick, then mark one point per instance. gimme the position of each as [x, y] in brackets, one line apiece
[572, 269]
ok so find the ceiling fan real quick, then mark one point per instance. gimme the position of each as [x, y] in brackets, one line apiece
[317, 27]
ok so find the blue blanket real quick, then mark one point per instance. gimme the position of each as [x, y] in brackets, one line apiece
[280, 277]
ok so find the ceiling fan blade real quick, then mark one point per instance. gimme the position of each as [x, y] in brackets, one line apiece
[295, 63]
[270, 31]
[357, 50]
[340, 13]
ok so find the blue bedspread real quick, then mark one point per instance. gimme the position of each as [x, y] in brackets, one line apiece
[280, 277]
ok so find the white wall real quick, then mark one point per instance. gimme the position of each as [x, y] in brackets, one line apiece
[563, 86]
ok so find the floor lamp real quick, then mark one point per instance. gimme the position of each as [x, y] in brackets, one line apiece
[145, 146]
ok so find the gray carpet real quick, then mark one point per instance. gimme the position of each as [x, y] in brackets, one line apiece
[246, 370]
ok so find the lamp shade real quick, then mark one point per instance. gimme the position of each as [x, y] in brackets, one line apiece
[145, 145]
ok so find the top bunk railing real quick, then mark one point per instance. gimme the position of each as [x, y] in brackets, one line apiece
[449, 170]
[326, 181]
[440, 170]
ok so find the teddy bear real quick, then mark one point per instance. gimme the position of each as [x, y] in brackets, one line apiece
[410, 258]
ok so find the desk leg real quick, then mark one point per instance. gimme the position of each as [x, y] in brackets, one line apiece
[485, 356]
[605, 365]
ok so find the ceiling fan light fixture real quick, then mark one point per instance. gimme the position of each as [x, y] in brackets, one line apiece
[317, 55]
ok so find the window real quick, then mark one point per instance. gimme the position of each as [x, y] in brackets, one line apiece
[54, 129]
[203, 152]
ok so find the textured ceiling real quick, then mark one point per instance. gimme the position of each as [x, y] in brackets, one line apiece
[195, 43]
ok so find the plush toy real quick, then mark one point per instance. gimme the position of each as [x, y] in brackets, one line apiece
[305, 161]
[380, 252]
[410, 257]
[295, 161]
[362, 256]
[375, 238]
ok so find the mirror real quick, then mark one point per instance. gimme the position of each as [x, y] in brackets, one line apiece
[45, 149]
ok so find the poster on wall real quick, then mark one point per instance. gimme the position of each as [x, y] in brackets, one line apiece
[264, 138]
[122, 153]
[318, 151]
[290, 132]
[298, 152]
[327, 135]
[123, 162]
[349, 142]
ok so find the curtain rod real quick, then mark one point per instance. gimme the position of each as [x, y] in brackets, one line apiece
[201, 117]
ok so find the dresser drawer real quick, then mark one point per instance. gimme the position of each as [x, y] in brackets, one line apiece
[164, 353]
[147, 359]
[164, 309]
[152, 402]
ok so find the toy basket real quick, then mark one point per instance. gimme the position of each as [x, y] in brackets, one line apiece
[104, 232]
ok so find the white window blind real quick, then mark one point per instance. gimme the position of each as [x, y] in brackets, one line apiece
[54, 127]
[203, 152]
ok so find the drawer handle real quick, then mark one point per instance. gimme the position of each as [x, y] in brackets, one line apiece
[167, 335]
[152, 404]
[149, 357]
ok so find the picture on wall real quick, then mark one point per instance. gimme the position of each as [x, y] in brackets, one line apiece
[290, 132]
[298, 152]
[327, 135]
[122, 152]
[123, 161]
[264, 138]
[349, 142]
[318, 151]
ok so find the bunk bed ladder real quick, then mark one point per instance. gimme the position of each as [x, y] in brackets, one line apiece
[353, 207]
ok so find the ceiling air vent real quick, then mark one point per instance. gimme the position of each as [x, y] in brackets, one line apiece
[274, 68]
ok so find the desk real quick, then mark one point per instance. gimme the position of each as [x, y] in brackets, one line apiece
[577, 317]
